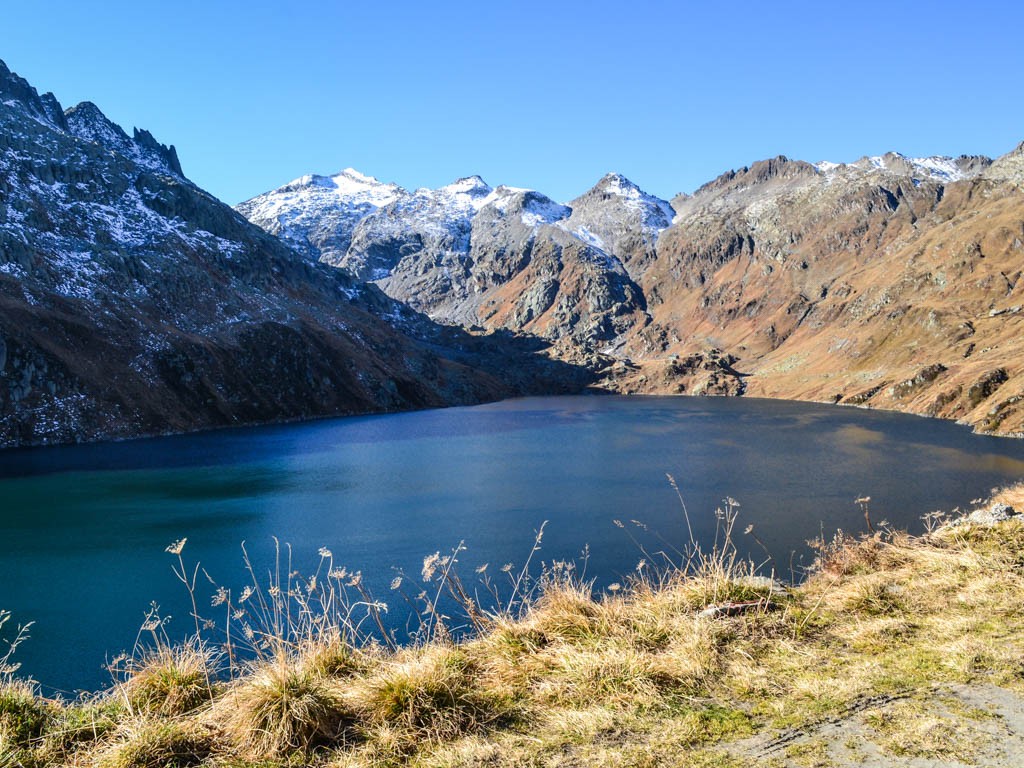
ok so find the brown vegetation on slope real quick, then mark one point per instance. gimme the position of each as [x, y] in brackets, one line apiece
[862, 288]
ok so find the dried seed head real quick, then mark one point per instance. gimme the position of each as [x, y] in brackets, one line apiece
[430, 564]
[176, 547]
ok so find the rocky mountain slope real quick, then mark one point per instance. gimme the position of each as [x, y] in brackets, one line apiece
[889, 282]
[132, 302]
[494, 258]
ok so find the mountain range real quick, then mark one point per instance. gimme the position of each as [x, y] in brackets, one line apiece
[132, 302]
[889, 282]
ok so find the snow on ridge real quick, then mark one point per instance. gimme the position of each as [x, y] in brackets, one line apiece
[939, 167]
[362, 188]
[535, 208]
[537, 211]
[470, 193]
[588, 237]
[936, 167]
[469, 185]
[347, 195]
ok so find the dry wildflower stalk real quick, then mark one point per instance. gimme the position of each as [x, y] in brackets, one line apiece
[7, 666]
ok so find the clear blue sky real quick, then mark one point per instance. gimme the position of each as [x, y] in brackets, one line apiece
[549, 95]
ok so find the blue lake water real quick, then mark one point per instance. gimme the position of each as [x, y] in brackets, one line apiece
[83, 529]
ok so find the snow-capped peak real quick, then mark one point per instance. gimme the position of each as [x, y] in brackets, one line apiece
[469, 193]
[470, 185]
[350, 185]
[533, 207]
[618, 184]
[655, 212]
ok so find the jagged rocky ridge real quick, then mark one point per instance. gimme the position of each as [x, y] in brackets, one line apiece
[132, 302]
[477, 256]
[890, 282]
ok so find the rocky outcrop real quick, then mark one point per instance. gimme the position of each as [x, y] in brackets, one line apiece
[616, 216]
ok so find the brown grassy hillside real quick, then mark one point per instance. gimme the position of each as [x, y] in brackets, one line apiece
[866, 288]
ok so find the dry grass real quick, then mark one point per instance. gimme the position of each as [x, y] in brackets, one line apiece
[159, 743]
[911, 729]
[281, 706]
[641, 676]
[170, 680]
[429, 695]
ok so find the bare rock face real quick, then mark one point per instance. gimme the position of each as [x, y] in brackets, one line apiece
[1009, 168]
[132, 302]
[621, 219]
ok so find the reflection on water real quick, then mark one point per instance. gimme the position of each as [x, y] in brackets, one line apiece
[83, 529]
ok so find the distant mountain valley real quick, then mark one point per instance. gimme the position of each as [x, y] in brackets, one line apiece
[134, 303]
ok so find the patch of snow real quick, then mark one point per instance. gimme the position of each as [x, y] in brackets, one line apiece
[589, 237]
[539, 210]
[940, 168]
[656, 214]
[936, 168]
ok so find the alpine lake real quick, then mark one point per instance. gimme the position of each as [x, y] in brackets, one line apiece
[84, 529]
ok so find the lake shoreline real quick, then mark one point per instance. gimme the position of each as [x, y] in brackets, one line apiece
[593, 391]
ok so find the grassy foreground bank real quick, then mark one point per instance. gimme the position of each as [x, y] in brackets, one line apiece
[685, 667]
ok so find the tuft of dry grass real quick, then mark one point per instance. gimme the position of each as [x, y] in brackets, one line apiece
[281, 706]
[23, 714]
[159, 743]
[170, 680]
[428, 695]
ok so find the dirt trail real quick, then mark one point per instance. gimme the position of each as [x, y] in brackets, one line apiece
[948, 727]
